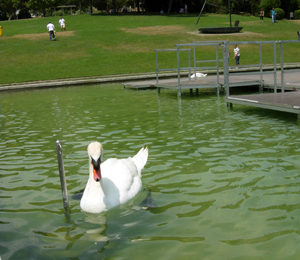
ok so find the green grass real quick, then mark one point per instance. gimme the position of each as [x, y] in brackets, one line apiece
[109, 45]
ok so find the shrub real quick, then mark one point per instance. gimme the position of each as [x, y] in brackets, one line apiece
[279, 13]
[59, 13]
[297, 14]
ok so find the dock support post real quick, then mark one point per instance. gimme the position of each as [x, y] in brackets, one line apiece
[62, 176]
[230, 106]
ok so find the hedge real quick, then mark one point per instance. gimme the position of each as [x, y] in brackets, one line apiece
[279, 13]
[297, 14]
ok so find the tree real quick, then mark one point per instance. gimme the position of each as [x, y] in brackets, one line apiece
[289, 6]
[267, 5]
[42, 6]
[100, 4]
[6, 9]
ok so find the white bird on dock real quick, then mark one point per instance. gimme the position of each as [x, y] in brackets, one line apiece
[198, 75]
[112, 182]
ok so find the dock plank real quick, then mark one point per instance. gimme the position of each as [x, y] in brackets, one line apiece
[286, 101]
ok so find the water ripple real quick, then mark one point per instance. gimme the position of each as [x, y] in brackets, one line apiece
[260, 239]
[224, 184]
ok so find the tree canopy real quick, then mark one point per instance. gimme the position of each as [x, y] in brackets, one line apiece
[17, 9]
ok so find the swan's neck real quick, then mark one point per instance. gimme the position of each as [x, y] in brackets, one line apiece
[93, 196]
[95, 185]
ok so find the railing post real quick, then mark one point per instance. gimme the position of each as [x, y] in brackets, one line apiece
[260, 68]
[189, 64]
[282, 67]
[156, 63]
[226, 67]
[178, 73]
[218, 75]
[195, 64]
[275, 67]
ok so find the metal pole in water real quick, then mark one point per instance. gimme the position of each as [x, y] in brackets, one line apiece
[62, 176]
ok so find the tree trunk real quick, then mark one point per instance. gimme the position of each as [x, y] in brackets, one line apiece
[170, 6]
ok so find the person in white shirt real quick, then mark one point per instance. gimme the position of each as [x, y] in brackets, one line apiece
[51, 30]
[236, 54]
[62, 24]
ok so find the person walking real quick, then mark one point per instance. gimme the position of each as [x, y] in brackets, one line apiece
[273, 13]
[236, 55]
[51, 30]
[261, 14]
[62, 24]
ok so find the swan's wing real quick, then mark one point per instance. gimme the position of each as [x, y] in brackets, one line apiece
[140, 159]
[120, 179]
[120, 172]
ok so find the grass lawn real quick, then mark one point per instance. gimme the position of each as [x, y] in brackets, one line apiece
[109, 45]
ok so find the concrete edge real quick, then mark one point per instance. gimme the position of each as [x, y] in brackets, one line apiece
[117, 78]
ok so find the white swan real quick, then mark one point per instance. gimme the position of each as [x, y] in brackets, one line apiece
[198, 75]
[112, 182]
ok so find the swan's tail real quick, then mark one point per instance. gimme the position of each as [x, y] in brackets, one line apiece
[140, 159]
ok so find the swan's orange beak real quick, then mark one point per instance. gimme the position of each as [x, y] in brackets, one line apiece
[97, 174]
[96, 169]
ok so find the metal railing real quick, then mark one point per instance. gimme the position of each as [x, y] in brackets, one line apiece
[158, 70]
[179, 69]
[261, 71]
[227, 70]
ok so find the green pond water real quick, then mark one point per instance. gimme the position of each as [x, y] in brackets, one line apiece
[226, 184]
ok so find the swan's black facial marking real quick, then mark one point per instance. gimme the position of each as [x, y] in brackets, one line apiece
[96, 169]
[96, 164]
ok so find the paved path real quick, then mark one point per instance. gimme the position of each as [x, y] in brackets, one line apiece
[136, 79]
[75, 81]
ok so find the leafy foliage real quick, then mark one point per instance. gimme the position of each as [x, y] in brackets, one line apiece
[279, 13]
[13, 9]
[297, 14]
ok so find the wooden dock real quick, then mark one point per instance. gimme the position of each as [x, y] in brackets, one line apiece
[286, 101]
[280, 101]
[238, 79]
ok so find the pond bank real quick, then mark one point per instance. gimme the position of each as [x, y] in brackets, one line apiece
[114, 79]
